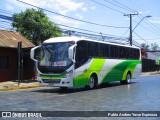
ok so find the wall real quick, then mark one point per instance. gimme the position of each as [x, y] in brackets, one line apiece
[11, 73]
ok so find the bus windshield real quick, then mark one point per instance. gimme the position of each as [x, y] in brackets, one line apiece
[54, 57]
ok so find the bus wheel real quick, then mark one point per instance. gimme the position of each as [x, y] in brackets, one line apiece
[128, 79]
[92, 82]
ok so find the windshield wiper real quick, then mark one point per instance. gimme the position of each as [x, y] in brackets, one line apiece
[51, 54]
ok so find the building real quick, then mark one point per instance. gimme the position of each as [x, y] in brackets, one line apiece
[153, 55]
[150, 60]
[9, 56]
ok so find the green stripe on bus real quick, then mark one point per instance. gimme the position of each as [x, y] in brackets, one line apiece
[119, 71]
[131, 67]
[46, 76]
[95, 67]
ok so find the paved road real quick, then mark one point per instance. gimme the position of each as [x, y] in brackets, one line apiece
[143, 94]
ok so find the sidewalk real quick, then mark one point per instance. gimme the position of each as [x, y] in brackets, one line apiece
[13, 85]
[150, 73]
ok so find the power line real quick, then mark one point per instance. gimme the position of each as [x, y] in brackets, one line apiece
[125, 32]
[155, 28]
[149, 23]
[84, 30]
[66, 30]
[125, 8]
[107, 6]
[103, 25]
[4, 11]
[147, 29]
[10, 18]
[141, 37]
[2, 26]
[5, 22]
[58, 24]
[149, 39]
[130, 38]
[52, 11]
[130, 35]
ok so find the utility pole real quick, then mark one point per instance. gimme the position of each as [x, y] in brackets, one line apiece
[130, 35]
[19, 62]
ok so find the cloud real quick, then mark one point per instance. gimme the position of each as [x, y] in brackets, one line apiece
[148, 11]
[64, 7]
[9, 7]
[70, 5]
[63, 20]
[60, 6]
[79, 16]
[155, 20]
[93, 8]
[84, 9]
[140, 12]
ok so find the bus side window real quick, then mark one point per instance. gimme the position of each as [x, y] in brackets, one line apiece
[107, 50]
[127, 53]
[114, 51]
[81, 53]
[93, 49]
[131, 53]
[136, 53]
[101, 50]
[104, 50]
[122, 52]
[111, 51]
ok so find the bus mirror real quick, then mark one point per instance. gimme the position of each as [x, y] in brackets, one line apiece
[35, 53]
[71, 52]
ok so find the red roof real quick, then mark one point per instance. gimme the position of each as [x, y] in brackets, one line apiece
[10, 39]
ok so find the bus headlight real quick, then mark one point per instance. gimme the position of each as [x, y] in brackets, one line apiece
[68, 74]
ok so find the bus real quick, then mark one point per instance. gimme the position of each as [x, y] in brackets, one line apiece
[75, 61]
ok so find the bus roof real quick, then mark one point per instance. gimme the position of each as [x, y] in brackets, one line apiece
[75, 39]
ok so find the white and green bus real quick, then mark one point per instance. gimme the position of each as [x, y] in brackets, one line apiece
[71, 62]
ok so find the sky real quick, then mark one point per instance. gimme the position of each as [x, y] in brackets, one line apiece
[108, 14]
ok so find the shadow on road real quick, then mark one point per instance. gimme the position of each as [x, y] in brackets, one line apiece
[79, 89]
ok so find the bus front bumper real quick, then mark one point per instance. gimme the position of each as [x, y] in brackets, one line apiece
[60, 82]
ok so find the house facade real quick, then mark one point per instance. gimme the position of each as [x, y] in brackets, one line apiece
[9, 56]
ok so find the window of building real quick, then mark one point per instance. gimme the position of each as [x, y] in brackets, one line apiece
[4, 61]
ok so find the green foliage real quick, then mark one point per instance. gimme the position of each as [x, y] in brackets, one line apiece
[153, 46]
[145, 46]
[35, 26]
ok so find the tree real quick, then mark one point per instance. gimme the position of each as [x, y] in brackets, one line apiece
[35, 26]
[145, 46]
[154, 46]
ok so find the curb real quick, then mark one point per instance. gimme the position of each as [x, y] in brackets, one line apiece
[150, 73]
[14, 86]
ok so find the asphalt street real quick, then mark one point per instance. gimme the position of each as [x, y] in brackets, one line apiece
[143, 94]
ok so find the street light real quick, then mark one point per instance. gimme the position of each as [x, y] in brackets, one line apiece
[131, 30]
[141, 21]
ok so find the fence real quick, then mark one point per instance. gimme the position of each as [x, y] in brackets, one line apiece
[148, 65]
